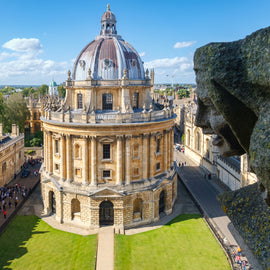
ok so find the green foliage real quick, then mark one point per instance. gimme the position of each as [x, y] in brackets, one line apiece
[61, 90]
[43, 89]
[27, 91]
[183, 93]
[8, 90]
[15, 112]
[183, 139]
[30, 152]
[33, 139]
[175, 246]
[30, 243]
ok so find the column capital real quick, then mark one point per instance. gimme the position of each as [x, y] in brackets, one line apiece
[94, 138]
[128, 137]
[145, 135]
[119, 137]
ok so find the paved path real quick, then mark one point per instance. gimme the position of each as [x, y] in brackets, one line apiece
[105, 252]
[205, 193]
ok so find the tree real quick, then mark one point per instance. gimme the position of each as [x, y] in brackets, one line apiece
[15, 112]
[1, 108]
[183, 139]
[43, 89]
[61, 90]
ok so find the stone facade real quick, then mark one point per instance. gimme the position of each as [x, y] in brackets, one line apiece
[232, 171]
[11, 154]
[108, 150]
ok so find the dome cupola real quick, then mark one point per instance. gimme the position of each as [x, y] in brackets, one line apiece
[108, 23]
[106, 57]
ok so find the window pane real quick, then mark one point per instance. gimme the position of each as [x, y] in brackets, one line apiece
[107, 173]
[106, 151]
[107, 101]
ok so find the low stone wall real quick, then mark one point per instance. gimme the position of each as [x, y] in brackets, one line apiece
[37, 151]
[251, 216]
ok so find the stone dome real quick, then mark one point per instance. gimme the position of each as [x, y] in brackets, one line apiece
[108, 55]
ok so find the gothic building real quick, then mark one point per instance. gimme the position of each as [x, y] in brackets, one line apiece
[108, 156]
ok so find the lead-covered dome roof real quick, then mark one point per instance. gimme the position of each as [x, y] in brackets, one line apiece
[108, 55]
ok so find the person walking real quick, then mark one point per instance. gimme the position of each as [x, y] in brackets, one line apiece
[5, 214]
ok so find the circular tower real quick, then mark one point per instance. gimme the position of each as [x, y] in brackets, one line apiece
[108, 149]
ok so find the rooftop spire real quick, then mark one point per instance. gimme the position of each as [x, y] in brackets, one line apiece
[108, 7]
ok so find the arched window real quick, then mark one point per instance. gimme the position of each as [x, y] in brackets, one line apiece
[77, 151]
[79, 101]
[158, 146]
[198, 141]
[107, 102]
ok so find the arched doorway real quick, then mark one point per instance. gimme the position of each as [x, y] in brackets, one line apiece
[52, 202]
[137, 209]
[106, 214]
[161, 201]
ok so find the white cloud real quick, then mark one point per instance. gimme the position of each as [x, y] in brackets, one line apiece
[23, 44]
[25, 66]
[183, 44]
[142, 54]
[177, 69]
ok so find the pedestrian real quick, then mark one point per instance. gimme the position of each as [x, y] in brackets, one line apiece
[244, 265]
[185, 163]
[9, 204]
[5, 214]
[233, 255]
[239, 251]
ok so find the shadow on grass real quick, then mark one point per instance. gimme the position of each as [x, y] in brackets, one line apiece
[183, 217]
[12, 241]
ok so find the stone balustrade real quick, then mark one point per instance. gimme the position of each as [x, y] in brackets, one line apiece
[110, 117]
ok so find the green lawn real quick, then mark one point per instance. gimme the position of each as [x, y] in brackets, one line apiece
[184, 243]
[30, 243]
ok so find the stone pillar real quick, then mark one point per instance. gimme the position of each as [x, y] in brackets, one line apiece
[145, 156]
[171, 146]
[93, 160]
[45, 149]
[69, 158]
[152, 155]
[119, 175]
[168, 149]
[165, 149]
[50, 153]
[127, 159]
[85, 162]
[63, 157]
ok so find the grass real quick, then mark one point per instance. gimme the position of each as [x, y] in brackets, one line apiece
[30, 243]
[184, 243]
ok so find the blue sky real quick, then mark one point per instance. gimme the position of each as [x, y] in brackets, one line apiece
[39, 40]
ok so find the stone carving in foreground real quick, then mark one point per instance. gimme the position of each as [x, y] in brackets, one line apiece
[233, 88]
[234, 98]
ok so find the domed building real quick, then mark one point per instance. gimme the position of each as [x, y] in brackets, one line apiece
[108, 156]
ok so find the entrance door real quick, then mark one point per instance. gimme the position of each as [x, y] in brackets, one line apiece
[161, 202]
[106, 215]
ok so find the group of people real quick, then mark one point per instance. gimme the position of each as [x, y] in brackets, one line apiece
[9, 196]
[237, 257]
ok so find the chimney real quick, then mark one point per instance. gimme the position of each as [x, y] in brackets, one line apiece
[1, 129]
[14, 130]
[18, 130]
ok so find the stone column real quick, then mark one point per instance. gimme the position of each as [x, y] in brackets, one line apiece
[50, 153]
[85, 162]
[152, 155]
[45, 145]
[93, 160]
[119, 175]
[145, 156]
[172, 141]
[165, 149]
[63, 157]
[127, 159]
[168, 149]
[69, 158]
